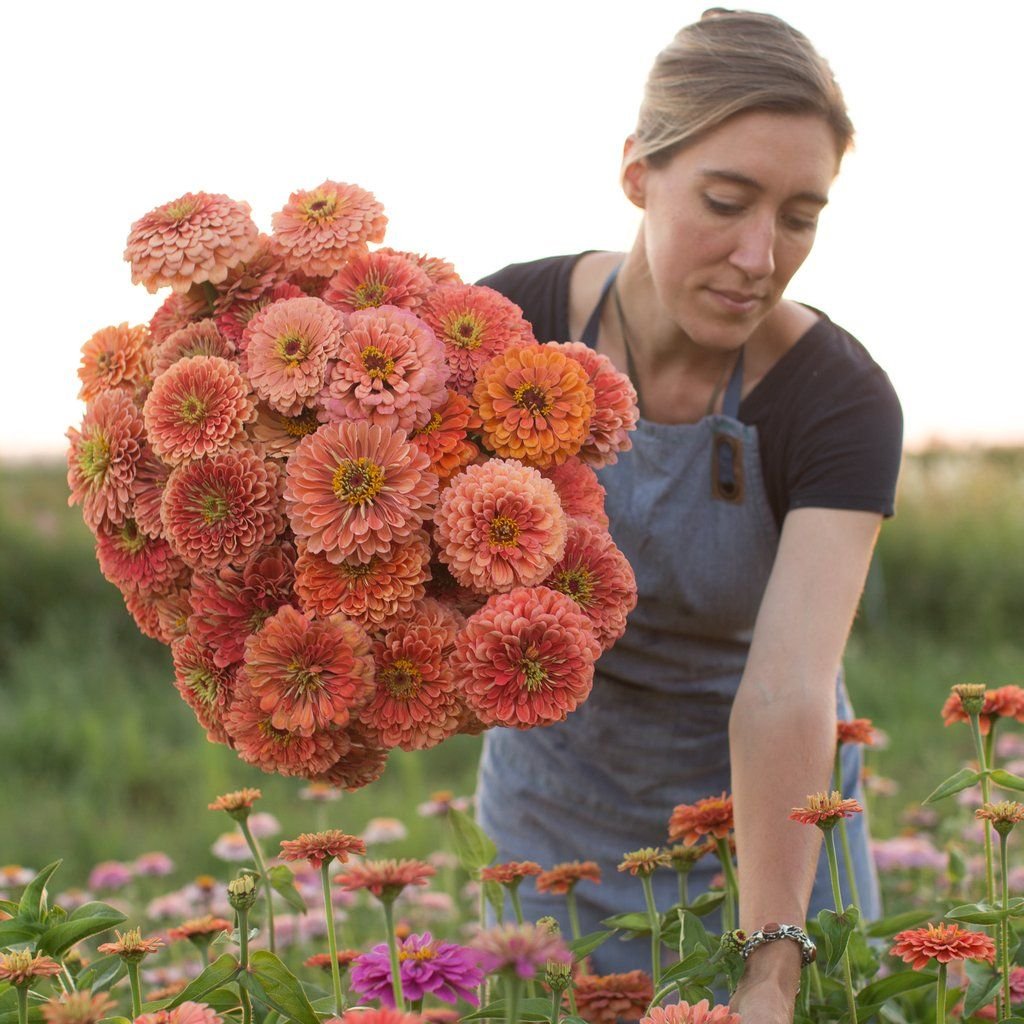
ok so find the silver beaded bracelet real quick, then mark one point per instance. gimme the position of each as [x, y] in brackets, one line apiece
[774, 931]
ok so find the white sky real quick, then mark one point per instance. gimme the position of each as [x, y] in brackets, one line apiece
[492, 133]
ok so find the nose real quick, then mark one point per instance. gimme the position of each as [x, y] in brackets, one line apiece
[754, 253]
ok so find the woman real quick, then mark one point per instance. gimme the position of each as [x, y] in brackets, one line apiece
[765, 459]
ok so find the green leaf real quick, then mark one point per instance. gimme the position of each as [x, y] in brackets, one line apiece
[864, 958]
[984, 983]
[683, 968]
[836, 929]
[219, 973]
[889, 926]
[9, 907]
[695, 935]
[272, 984]
[474, 847]
[706, 902]
[282, 881]
[1006, 780]
[976, 913]
[963, 779]
[634, 922]
[1012, 1020]
[872, 996]
[529, 1009]
[494, 893]
[102, 973]
[85, 921]
[16, 930]
[33, 899]
[225, 999]
[586, 944]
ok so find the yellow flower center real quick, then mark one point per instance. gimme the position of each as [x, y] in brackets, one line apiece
[533, 399]
[358, 481]
[304, 678]
[279, 737]
[435, 422]
[292, 347]
[214, 509]
[575, 583]
[377, 364]
[18, 961]
[465, 330]
[181, 210]
[503, 532]
[534, 675]
[302, 425]
[192, 410]
[203, 684]
[319, 207]
[368, 294]
[426, 953]
[358, 571]
[132, 541]
[402, 679]
[94, 458]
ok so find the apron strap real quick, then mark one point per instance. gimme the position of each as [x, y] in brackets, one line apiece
[594, 322]
[734, 390]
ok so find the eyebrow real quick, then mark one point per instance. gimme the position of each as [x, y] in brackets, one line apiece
[741, 179]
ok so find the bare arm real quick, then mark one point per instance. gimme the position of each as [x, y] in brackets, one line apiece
[782, 734]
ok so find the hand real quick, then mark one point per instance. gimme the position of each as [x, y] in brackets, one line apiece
[762, 1002]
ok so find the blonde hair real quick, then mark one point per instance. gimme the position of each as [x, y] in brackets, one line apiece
[728, 63]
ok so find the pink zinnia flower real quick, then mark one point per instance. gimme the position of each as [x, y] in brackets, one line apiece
[524, 949]
[610, 998]
[320, 229]
[686, 1013]
[219, 510]
[155, 864]
[198, 406]
[251, 278]
[287, 346]
[354, 489]
[318, 848]
[377, 279]
[196, 339]
[178, 310]
[309, 673]
[382, 1016]
[439, 270]
[233, 322]
[280, 435]
[362, 764]
[187, 1013]
[110, 875]
[151, 476]
[445, 436]
[103, 457]
[526, 658]
[596, 575]
[384, 878]
[475, 323]
[114, 357]
[133, 561]
[376, 593]
[203, 684]
[197, 237]
[390, 370]
[500, 525]
[173, 610]
[579, 491]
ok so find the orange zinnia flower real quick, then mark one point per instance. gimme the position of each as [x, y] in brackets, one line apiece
[510, 873]
[235, 801]
[857, 730]
[1004, 702]
[199, 927]
[196, 339]
[562, 878]
[943, 942]
[825, 809]
[323, 960]
[114, 357]
[376, 279]
[645, 861]
[608, 998]
[131, 946]
[445, 436]
[319, 848]
[710, 816]
[385, 878]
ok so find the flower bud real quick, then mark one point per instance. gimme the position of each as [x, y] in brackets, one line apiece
[550, 925]
[972, 697]
[242, 892]
[557, 975]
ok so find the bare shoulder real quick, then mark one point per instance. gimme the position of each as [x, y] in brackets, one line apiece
[588, 275]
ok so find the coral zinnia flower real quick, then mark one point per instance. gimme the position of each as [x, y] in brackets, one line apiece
[233, 322]
[219, 510]
[439, 270]
[377, 279]
[526, 658]
[445, 436]
[159, 615]
[510, 873]
[148, 491]
[686, 1013]
[562, 878]
[579, 491]
[608, 998]
[536, 404]
[856, 730]
[825, 810]
[287, 346]
[320, 229]
[280, 435]
[230, 605]
[197, 237]
[319, 848]
[523, 949]
[199, 926]
[390, 370]
[1003, 815]
[500, 525]
[475, 323]
[78, 1007]
[131, 946]
[382, 1016]
[323, 960]
[133, 561]
[415, 704]
[203, 684]
[645, 861]
[1004, 702]
[238, 800]
[595, 574]
[615, 408]
[354, 489]
[113, 357]
[21, 967]
[103, 457]
[942, 942]
[178, 310]
[309, 673]
[186, 1013]
[385, 878]
[196, 339]
[362, 764]
[376, 594]
[251, 278]
[710, 816]
[197, 407]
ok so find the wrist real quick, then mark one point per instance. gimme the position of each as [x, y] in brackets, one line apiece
[778, 963]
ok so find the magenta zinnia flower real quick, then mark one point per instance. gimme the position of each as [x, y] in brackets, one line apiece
[524, 949]
[354, 489]
[428, 966]
[377, 279]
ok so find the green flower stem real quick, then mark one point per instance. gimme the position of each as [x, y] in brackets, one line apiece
[23, 1004]
[556, 1006]
[332, 939]
[844, 837]
[572, 1000]
[1004, 926]
[574, 917]
[517, 906]
[684, 887]
[940, 996]
[655, 919]
[837, 895]
[511, 998]
[732, 886]
[416, 1006]
[396, 967]
[242, 922]
[819, 991]
[979, 746]
[136, 985]
[261, 866]
[246, 1002]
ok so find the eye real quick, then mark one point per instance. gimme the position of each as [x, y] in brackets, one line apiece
[722, 207]
[796, 223]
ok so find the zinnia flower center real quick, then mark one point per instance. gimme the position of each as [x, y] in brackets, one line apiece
[533, 399]
[534, 675]
[435, 422]
[20, 960]
[103, 362]
[466, 331]
[181, 210]
[575, 583]
[256, 619]
[369, 293]
[192, 410]
[320, 207]
[426, 953]
[358, 481]
[279, 737]
[402, 680]
[214, 509]
[377, 364]
[131, 540]
[94, 457]
[359, 571]
[304, 678]
[503, 532]
[292, 347]
[203, 684]
[302, 425]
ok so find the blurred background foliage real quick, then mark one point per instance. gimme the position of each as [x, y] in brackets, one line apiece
[100, 758]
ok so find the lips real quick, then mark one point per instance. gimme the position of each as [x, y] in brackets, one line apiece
[736, 302]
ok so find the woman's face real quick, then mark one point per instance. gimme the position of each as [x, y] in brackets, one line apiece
[730, 219]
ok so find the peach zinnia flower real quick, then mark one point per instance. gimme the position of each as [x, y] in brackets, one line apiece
[201, 338]
[20, 968]
[148, 608]
[385, 1015]
[645, 861]
[445, 436]
[280, 435]
[711, 816]
[511, 872]
[219, 510]
[687, 1013]
[318, 230]
[197, 237]
[1003, 815]
[173, 610]
[500, 525]
[595, 574]
[376, 594]
[203, 684]
[942, 942]
[526, 658]
[319, 848]
[536, 404]
[520, 949]
[390, 369]
[103, 457]
[197, 407]
[178, 310]
[439, 270]
[148, 491]
[354, 489]
[579, 491]
[475, 323]
[114, 357]
[562, 878]
[233, 322]
[825, 810]
[78, 1007]
[236, 800]
[1004, 702]
[309, 673]
[609, 998]
[133, 561]
[385, 878]
[131, 946]
[252, 277]
[199, 926]
[186, 1013]
[377, 279]
[287, 346]
[615, 408]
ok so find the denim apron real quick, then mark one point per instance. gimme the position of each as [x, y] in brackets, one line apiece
[687, 506]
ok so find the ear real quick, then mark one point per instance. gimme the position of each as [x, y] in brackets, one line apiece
[633, 175]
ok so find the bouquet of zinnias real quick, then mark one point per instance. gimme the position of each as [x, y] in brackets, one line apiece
[352, 493]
